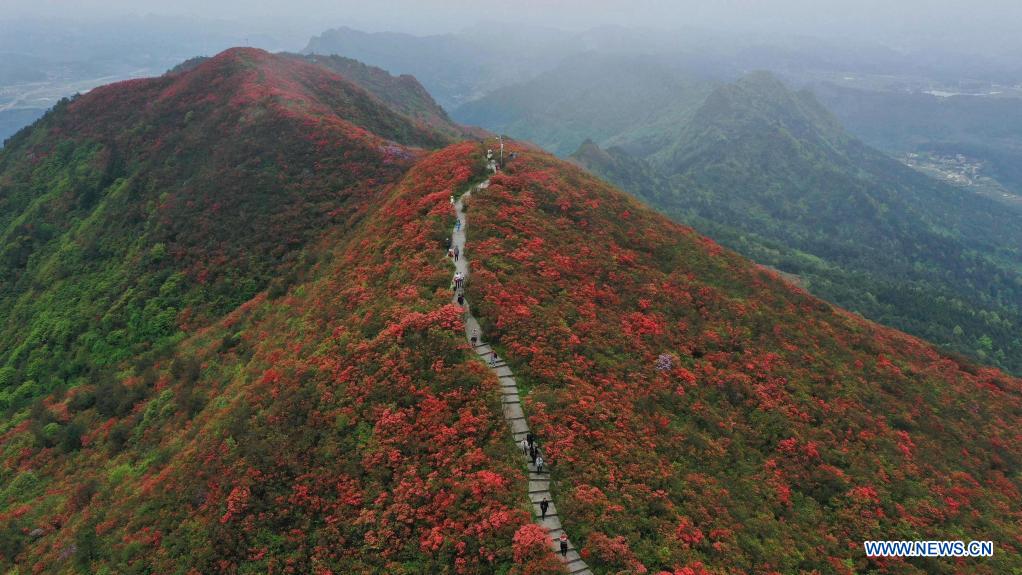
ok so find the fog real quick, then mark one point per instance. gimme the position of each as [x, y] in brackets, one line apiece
[981, 26]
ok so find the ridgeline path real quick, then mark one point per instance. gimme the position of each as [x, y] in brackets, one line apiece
[539, 483]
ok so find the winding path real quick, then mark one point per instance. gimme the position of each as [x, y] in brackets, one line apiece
[539, 483]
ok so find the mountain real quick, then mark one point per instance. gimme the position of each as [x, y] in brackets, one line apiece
[455, 68]
[772, 174]
[611, 98]
[229, 346]
[202, 226]
[204, 337]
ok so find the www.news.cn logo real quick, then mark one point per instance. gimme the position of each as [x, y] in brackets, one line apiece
[928, 548]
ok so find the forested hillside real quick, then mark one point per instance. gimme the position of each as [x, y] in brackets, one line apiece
[773, 175]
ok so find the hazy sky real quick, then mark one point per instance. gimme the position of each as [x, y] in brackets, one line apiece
[983, 25]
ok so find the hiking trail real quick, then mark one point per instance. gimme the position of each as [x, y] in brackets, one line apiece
[539, 483]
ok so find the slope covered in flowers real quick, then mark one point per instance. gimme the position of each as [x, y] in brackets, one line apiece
[340, 427]
[145, 209]
[700, 415]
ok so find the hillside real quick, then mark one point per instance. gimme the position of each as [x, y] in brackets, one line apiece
[781, 433]
[122, 221]
[230, 346]
[401, 93]
[773, 175]
[226, 345]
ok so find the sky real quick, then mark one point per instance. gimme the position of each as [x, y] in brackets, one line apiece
[983, 26]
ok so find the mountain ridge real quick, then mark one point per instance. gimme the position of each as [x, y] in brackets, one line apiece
[285, 383]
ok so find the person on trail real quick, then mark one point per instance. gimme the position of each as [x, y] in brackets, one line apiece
[452, 200]
[533, 453]
[525, 446]
[543, 506]
[457, 252]
[493, 359]
[450, 252]
[564, 544]
[530, 438]
[475, 336]
[539, 463]
[461, 300]
[457, 225]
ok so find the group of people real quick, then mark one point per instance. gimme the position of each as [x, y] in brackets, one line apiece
[530, 447]
[459, 280]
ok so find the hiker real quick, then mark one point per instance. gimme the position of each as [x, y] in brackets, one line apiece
[493, 359]
[564, 544]
[533, 453]
[475, 336]
[525, 446]
[457, 225]
[452, 200]
[457, 252]
[543, 506]
[461, 300]
[530, 438]
[539, 463]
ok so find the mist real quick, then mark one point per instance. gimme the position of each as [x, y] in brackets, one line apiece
[988, 27]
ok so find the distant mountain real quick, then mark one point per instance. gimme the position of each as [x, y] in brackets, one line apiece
[627, 99]
[772, 174]
[455, 68]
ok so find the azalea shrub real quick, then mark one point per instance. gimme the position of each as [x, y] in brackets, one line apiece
[699, 414]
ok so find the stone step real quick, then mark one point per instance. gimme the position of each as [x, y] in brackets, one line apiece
[551, 523]
[577, 566]
[540, 487]
[514, 411]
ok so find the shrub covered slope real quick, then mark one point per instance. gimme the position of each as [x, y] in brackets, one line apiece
[784, 433]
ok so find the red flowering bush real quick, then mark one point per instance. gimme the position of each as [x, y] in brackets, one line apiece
[533, 553]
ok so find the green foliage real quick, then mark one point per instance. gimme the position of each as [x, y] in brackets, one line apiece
[772, 175]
